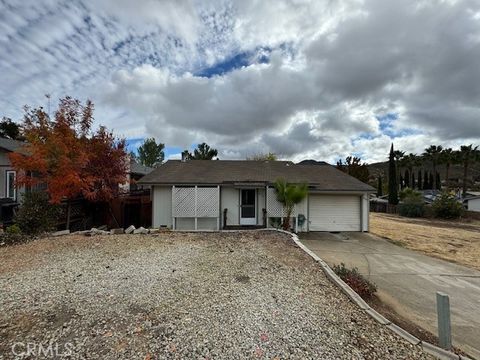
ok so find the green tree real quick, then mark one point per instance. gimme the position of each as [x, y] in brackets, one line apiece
[380, 187]
[202, 152]
[36, 214]
[355, 168]
[412, 204]
[392, 179]
[263, 157]
[289, 195]
[10, 129]
[150, 153]
[433, 154]
[399, 163]
[406, 178]
[466, 156]
[409, 162]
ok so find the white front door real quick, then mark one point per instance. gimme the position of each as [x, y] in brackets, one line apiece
[248, 206]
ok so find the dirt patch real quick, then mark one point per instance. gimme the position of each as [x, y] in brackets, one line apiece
[454, 241]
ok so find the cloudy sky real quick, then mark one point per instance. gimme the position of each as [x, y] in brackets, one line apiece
[303, 79]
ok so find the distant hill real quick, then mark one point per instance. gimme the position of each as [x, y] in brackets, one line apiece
[312, 162]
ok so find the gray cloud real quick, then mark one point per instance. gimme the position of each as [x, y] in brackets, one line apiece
[336, 67]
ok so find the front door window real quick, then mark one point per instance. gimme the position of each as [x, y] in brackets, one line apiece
[11, 191]
[247, 206]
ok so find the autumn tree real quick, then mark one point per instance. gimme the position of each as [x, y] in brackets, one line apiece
[353, 166]
[150, 153]
[67, 156]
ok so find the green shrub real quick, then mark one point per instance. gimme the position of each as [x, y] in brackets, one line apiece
[411, 210]
[13, 238]
[13, 229]
[35, 214]
[275, 222]
[412, 204]
[411, 195]
[355, 280]
[446, 206]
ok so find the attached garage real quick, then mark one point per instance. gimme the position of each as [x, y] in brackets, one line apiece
[335, 212]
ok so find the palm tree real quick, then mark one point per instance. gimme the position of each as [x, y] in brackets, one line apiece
[289, 195]
[417, 162]
[448, 158]
[433, 153]
[409, 161]
[467, 155]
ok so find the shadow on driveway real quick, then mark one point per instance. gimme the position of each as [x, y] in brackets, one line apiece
[408, 281]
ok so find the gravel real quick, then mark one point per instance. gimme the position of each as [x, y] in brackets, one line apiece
[181, 296]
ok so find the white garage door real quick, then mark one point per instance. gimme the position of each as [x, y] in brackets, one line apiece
[334, 213]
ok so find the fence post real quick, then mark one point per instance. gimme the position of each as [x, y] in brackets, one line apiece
[443, 316]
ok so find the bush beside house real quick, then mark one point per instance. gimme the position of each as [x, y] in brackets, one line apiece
[446, 206]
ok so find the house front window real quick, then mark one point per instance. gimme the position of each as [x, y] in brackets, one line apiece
[11, 191]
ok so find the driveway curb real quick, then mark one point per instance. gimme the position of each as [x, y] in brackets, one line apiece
[431, 349]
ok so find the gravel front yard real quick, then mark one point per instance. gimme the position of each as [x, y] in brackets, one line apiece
[179, 295]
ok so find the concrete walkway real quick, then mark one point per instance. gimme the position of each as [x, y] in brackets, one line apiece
[408, 281]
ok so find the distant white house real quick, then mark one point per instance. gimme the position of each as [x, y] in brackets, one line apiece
[472, 201]
[215, 194]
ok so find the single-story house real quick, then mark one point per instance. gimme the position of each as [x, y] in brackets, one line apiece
[9, 193]
[472, 203]
[216, 194]
[135, 172]
[7, 173]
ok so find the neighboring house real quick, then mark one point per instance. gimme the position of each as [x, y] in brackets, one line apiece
[133, 206]
[8, 175]
[9, 193]
[472, 202]
[214, 194]
[135, 172]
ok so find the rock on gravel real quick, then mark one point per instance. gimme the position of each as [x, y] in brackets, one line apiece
[182, 295]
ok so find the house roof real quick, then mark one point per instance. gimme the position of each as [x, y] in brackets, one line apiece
[216, 172]
[471, 198]
[136, 168]
[11, 145]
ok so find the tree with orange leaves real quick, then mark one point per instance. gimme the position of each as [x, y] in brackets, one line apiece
[67, 156]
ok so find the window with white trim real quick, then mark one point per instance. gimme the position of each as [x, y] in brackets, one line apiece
[11, 191]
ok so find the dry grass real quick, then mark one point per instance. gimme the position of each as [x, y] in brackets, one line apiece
[453, 241]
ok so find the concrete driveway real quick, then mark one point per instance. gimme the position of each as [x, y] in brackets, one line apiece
[408, 281]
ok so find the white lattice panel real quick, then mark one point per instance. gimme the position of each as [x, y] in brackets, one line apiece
[195, 202]
[274, 207]
[183, 202]
[208, 202]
